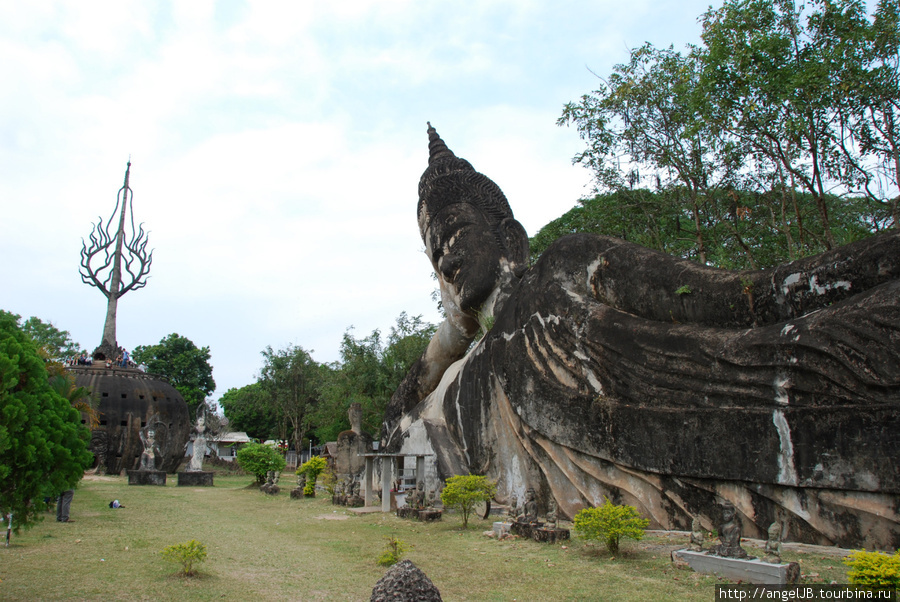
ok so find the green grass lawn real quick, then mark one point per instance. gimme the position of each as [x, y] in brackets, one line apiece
[275, 548]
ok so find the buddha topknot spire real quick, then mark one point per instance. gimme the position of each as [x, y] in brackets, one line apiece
[437, 150]
[449, 179]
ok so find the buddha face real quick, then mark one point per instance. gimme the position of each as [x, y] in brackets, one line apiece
[466, 257]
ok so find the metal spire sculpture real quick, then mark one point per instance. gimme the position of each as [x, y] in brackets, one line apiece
[115, 264]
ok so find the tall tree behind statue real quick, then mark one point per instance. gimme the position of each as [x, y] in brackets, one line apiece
[108, 255]
[778, 137]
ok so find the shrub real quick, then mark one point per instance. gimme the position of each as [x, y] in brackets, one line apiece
[312, 468]
[873, 568]
[393, 553]
[258, 459]
[609, 523]
[187, 553]
[464, 492]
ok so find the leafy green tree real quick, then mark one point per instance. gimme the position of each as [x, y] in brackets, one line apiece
[610, 523]
[56, 343]
[43, 446]
[464, 492]
[778, 137]
[258, 459]
[183, 363]
[370, 371]
[290, 380]
[248, 409]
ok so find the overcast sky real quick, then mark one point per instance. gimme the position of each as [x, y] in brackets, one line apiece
[276, 149]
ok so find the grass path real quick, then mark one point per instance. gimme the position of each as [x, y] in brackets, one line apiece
[274, 548]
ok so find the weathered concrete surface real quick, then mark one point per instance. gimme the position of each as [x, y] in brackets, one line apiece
[195, 478]
[147, 477]
[745, 571]
[128, 398]
[777, 390]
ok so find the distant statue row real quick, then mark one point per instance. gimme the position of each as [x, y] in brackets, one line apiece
[730, 531]
[527, 513]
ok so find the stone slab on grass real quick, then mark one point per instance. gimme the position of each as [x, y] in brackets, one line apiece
[736, 569]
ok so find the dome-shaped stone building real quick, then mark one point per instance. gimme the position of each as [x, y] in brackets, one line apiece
[128, 400]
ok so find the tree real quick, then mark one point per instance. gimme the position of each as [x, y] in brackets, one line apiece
[778, 137]
[248, 410]
[259, 459]
[788, 80]
[610, 523]
[290, 379]
[184, 364]
[56, 343]
[370, 371]
[464, 492]
[43, 446]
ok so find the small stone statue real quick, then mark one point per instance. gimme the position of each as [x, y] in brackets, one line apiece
[199, 448]
[151, 449]
[551, 514]
[270, 487]
[354, 489]
[416, 497]
[513, 512]
[773, 544]
[729, 534]
[429, 499]
[696, 535]
[301, 480]
[530, 510]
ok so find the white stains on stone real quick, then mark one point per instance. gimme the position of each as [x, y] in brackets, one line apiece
[788, 282]
[593, 381]
[787, 330]
[787, 474]
[591, 269]
[816, 288]
[781, 384]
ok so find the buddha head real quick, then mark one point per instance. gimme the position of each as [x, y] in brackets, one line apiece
[471, 237]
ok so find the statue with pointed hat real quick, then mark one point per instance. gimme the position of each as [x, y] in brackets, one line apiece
[595, 379]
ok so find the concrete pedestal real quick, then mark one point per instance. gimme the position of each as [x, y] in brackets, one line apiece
[735, 569]
[146, 477]
[195, 478]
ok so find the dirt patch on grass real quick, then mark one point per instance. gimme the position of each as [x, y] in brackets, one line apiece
[332, 517]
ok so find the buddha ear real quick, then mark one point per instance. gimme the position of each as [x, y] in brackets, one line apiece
[516, 241]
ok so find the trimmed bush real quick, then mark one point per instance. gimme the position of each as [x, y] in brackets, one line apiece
[464, 492]
[312, 468]
[609, 523]
[873, 569]
[259, 459]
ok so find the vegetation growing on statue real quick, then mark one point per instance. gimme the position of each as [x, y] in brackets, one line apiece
[610, 523]
[259, 459]
[312, 468]
[874, 569]
[186, 554]
[184, 364]
[465, 492]
[43, 446]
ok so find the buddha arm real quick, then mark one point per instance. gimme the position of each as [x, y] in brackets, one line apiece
[446, 346]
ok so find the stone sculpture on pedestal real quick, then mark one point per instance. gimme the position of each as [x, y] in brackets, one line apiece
[730, 531]
[147, 474]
